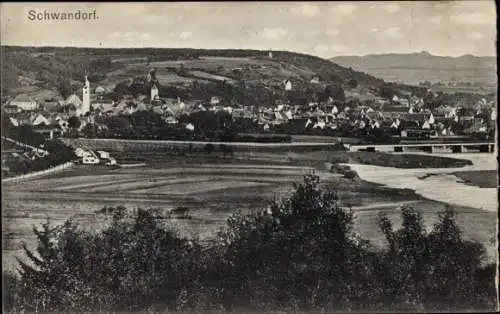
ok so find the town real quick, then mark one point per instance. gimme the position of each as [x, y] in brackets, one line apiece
[252, 157]
[97, 112]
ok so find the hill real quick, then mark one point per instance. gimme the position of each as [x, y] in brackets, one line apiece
[25, 69]
[414, 68]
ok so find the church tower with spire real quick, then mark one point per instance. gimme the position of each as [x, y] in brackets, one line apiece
[154, 92]
[86, 97]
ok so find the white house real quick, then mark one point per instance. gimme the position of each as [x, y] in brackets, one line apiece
[315, 80]
[90, 160]
[431, 119]
[288, 85]
[190, 127]
[24, 102]
[214, 100]
[103, 154]
[426, 125]
[40, 119]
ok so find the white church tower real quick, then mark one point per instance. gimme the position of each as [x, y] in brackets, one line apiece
[86, 97]
[154, 92]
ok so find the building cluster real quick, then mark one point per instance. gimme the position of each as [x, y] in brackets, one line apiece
[87, 156]
[398, 113]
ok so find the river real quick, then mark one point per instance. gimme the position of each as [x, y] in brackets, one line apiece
[442, 186]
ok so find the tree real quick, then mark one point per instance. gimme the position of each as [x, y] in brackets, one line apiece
[352, 83]
[208, 148]
[335, 91]
[64, 86]
[437, 270]
[122, 88]
[74, 122]
[299, 254]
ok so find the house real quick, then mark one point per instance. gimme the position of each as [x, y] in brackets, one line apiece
[426, 125]
[100, 90]
[39, 120]
[74, 100]
[24, 102]
[214, 100]
[141, 107]
[158, 110]
[171, 120]
[288, 85]
[419, 117]
[90, 160]
[238, 113]
[404, 102]
[315, 80]
[103, 154]
[11, 109]
[13, 121]
[104, 105]
[49, 131]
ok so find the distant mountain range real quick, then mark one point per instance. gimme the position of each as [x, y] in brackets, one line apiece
[413, 68]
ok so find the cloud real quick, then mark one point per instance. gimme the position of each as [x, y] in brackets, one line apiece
[332, 32]
[306, 9]
[475, 36]
[185, 35]
[375, 30]
[392, 7]
[473, 18]
[392, 32]
[273, 33]
[345, 8]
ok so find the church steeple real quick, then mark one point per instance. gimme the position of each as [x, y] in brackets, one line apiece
[86, 97]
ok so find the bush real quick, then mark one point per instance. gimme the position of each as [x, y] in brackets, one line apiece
[298, 255]
[208, 148]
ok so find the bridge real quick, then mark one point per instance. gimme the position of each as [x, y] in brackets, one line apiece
[482, 147]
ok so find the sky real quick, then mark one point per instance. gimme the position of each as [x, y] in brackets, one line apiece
[324, 29]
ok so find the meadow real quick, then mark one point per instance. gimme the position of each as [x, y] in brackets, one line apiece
[210, 188]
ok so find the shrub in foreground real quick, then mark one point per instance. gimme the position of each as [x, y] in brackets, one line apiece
[300, 254]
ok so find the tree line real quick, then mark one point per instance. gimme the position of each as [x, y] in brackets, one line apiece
[298, 255]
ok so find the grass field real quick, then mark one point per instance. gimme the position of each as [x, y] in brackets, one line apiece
[211, 187]
[482, 178]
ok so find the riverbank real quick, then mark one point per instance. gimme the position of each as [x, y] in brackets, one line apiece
[211, 187]
[480, 178]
